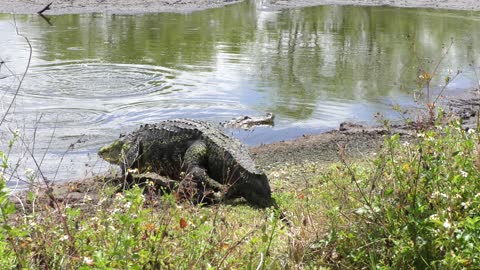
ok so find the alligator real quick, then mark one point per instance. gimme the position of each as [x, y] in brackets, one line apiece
[184, 147]
[249, 122]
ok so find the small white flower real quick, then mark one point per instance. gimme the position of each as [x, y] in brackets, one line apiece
[119, 196]
[128, 204]
[64, 238]
[421, 135]
[444, 195]
[406, 144]
[471, 131]
[447, 224]
[465, 205]
[87, 260]
[464, 173]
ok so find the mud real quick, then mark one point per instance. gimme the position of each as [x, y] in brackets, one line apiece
[187, 6]
[108, 6]
[445, 4]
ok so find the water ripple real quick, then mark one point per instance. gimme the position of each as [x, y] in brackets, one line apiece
[97, 80]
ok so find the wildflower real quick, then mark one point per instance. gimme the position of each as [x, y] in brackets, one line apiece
[406, 144]
[149, 227]
[471, 131]
[119, 196]
[464, 173]
[465, 205]
[433, 217]
[447, 224]
[421, 135]
[87, 260]
[128, 204]
[87, 198]
[135, 170]
[64, 238]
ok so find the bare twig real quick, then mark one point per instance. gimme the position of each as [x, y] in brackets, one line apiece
[47, 7]
[24, 73]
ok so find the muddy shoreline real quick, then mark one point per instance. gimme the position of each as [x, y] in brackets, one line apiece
[186, 6]
[473, 5]
[351, 142]
[126, 7]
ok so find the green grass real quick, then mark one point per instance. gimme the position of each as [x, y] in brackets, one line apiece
[413, 205]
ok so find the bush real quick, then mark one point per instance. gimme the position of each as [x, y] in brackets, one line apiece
[417, 207]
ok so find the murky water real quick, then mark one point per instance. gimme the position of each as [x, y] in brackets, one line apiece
[95, 76]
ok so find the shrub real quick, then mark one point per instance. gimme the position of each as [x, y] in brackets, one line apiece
[417, 207]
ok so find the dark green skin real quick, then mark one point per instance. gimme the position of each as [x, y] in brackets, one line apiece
[196, 148]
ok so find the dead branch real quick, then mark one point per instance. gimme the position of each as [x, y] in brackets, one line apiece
[47, 7]
[24, 73]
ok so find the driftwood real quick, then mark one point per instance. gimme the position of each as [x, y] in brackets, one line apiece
[47, 7]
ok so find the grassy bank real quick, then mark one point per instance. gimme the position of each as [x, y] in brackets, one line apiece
[412, 205]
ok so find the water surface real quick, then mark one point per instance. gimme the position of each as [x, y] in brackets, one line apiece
[94, 76]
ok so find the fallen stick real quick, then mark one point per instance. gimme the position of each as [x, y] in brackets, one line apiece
[47, 7]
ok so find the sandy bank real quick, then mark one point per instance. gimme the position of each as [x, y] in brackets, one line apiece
[109, 6]
[186, 6]
[445, 4]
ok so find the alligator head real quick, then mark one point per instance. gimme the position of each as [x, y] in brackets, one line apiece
[255, 189]
[114, 153]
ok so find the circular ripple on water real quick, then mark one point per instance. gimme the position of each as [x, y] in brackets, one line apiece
[96, 80]
[73, 120]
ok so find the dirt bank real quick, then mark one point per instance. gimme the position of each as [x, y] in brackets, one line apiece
[186, 6]
[351, 140]
[108, 6]
[445, 4]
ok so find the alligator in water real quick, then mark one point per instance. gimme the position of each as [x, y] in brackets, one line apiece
[250, 122]
[184, 147]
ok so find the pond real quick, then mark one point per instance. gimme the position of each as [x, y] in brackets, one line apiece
[94, 76]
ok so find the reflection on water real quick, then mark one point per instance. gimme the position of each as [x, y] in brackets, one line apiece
[95, 76]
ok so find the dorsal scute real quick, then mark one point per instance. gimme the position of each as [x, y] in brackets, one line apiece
[232, 147]
[214, 136]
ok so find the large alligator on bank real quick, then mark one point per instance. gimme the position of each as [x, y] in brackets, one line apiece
[181, 148]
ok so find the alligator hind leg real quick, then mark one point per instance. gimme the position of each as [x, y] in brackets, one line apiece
[194, 164]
